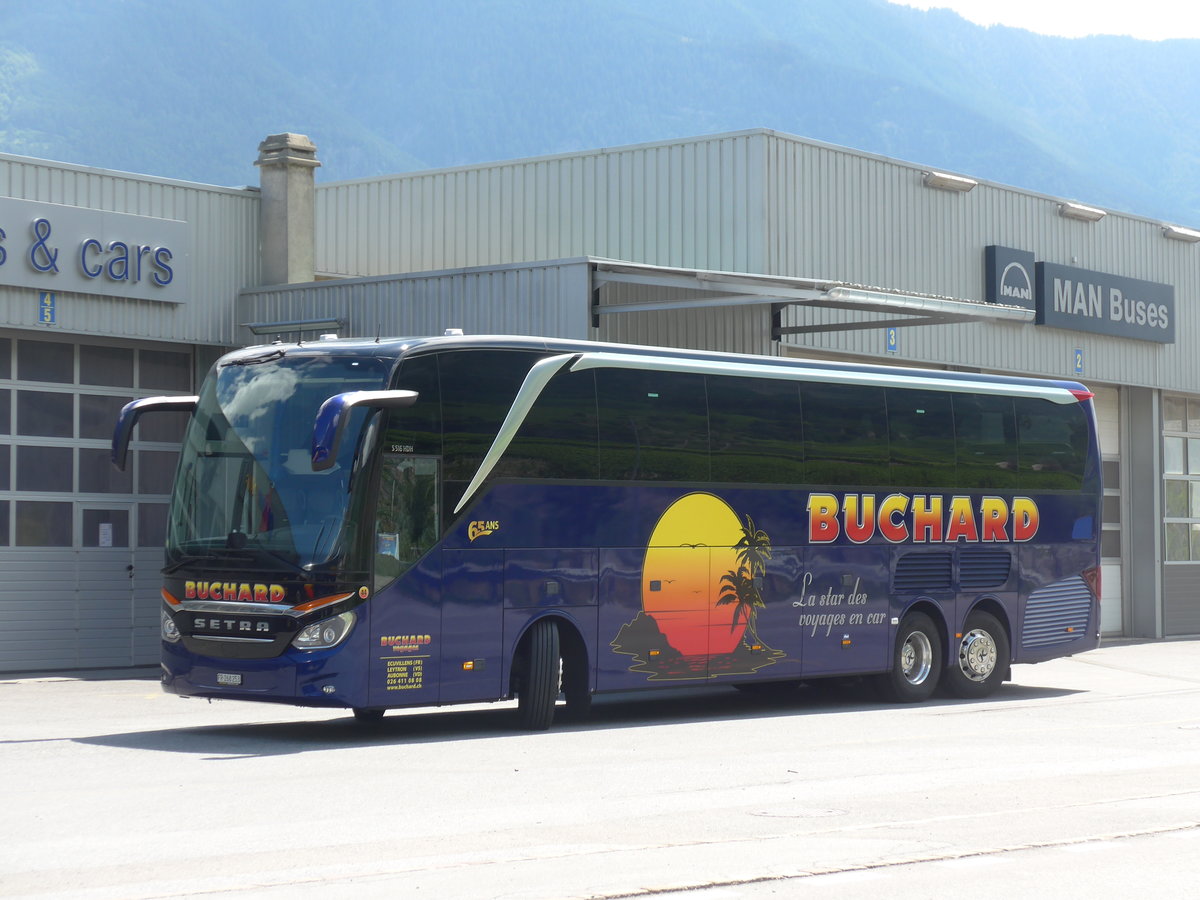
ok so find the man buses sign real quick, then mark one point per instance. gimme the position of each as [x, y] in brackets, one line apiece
[1080, 299]
[1106, 304]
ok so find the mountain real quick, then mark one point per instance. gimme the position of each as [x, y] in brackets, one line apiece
[187, 90]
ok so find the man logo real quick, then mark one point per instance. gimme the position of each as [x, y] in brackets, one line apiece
[1009, 276]
[1015, 283]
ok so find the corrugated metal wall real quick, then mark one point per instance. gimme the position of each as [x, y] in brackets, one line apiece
[697, 204]
[763, 202]
[79, 609]
[550, 300]
[77, 606]
[734, 330]
[222, 260]
[847, 216]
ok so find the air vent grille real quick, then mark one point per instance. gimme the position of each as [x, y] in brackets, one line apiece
[983, 568]
[924, 572]
[1057, 613]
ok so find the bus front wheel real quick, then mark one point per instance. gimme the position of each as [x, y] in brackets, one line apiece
[541, 677]
[982, 658]
[916, 661]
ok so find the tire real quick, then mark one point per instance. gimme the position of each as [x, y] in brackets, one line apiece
[981, 658]
[368, 715]
[538, 687]
[916, 661]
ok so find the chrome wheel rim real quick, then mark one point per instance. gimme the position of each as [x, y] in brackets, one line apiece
[916, 658]
[977, 655]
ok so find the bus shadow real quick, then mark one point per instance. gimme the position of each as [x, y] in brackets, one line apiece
[630, 710]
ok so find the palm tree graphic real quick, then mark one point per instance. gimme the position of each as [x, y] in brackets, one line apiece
[741, 586]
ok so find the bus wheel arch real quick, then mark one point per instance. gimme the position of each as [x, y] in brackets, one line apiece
[916, 658]
[980, 657]
[550, 659]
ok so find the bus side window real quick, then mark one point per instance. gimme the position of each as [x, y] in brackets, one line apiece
[1053, 440]
[755, 425]
[653, 425]
[985, 433]
[845, 434]
[921, 430]
[406, 514]
[478, 387]
[416, 429]
[558, 437]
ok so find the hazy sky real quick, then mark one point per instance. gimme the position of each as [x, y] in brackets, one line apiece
[1152, 20]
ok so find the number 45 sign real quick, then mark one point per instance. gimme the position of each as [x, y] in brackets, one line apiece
[46, 307]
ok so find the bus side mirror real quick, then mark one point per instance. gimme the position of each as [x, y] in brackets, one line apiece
[332, 416]
[131, 412]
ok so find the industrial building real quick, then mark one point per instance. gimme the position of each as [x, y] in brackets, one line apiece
[115, 286]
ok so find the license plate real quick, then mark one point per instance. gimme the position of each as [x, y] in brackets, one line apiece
[229, 678]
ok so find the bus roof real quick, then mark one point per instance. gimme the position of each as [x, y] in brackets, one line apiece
[396, 348]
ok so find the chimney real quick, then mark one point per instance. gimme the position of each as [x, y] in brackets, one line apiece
[287, 229]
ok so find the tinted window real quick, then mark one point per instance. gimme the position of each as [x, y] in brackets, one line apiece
[97, 474]
[1052, 444]
[165, 370]
[558, 437]
[921, 434]
[152, 524]
[45, 361]
[653, 425]
[755, 428]
[45, 414]
[406, 514]
[986, 440]
[45, 469]
[106, 365]
[416, 429]
[162, 427]
[156, 471]
[43, 524]
[478, 388]
[97, 414]
[105, 527]
[845, 434]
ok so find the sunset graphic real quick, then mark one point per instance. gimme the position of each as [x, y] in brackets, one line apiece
[700, 594]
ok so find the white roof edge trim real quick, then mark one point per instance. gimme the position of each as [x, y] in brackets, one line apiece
[801, 373]
[536, 379]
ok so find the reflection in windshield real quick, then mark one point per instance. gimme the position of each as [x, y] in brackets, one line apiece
[246, 489]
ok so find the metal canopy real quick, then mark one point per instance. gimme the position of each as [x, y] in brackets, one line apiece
[889, 309]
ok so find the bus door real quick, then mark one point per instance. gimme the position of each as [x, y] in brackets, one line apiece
[844, 610]
[472, 624]
[405, 610]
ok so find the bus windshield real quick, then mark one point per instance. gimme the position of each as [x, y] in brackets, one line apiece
[246, 491]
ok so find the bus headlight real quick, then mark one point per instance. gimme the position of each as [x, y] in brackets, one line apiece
[325, 634]
[170, 633]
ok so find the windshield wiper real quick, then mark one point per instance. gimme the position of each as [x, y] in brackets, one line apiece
[188, 559]
[277, 555]
[269, 356]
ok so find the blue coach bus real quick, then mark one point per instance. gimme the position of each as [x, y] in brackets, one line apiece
[375, 524]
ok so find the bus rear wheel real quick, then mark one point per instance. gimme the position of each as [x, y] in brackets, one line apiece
[367, 714]
[982, 658]
[541, 677]
[916, 661]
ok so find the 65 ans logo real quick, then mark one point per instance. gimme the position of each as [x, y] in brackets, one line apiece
[481, 528]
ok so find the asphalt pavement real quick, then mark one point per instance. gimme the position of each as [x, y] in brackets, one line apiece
[1079, 779]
